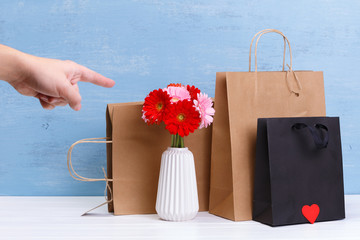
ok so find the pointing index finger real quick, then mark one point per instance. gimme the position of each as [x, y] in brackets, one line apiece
[88, 75]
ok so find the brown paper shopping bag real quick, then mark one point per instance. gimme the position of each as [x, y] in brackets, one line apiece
[133, 160]
[241, 98]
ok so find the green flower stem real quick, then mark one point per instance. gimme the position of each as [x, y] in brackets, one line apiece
[173, 138]
[177, 141]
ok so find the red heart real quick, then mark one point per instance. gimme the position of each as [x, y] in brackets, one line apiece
[311, 212]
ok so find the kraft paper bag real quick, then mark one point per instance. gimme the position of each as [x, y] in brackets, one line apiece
[242, 98]
[298, 171]
[134, 152]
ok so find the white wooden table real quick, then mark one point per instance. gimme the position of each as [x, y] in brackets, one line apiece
[59, 218]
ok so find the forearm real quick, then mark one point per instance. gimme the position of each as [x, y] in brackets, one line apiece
[12, 64]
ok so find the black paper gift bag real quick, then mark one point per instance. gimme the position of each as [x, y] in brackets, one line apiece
[298, 171]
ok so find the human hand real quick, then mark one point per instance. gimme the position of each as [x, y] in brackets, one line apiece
[54, 82]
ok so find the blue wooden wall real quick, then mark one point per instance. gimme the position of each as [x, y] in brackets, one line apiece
[144, 45]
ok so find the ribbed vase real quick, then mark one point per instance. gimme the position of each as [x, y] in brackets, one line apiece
[177, 196]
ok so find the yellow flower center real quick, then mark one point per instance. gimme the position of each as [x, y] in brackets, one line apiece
[181, 117]
[159, 106]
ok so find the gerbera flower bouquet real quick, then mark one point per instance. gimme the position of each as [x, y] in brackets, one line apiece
[183, 109]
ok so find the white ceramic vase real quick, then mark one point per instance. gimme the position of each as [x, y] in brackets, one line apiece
[177, 196]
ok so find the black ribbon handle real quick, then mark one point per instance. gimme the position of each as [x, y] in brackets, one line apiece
[320, 142]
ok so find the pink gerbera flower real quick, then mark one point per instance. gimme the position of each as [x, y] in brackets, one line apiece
[178, 93]
[204, 105]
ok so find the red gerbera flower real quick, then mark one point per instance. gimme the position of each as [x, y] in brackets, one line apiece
[193, 91]
[154, 106]
[182, 118]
